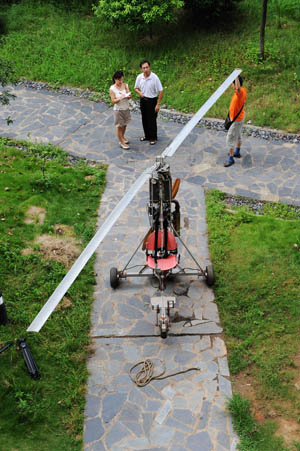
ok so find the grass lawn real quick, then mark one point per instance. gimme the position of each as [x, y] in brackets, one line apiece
[50, 198]
[257, 291]
[65, 46]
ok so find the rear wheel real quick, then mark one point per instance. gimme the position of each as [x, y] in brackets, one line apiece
[209, 275]
[114, 278]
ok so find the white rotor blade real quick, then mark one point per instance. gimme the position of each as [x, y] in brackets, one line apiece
[86, 254]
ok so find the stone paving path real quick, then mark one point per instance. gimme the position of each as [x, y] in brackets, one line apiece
[187, 411]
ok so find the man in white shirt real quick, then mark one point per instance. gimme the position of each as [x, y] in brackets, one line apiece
[149, 88]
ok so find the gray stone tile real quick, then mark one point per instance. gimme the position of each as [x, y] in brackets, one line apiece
[96, 446]
[172, 422]
[179, 402]
[153, 406]
[204, 415]
[116, 434]
[111, 405]
[225, 386]
[147, 422]
[163, 412]
[93, 430]
[92, 406]
[129, 312]
[218, 419]
[136, 428]
[184, 415]
[138, 443]
[130, 412]
[136, 396]
[151, 392]
[223, 366]
[223, 440]
[161, 435]
[184, 357]
[199, 442]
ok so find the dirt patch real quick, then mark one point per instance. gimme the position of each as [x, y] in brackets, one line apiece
[27, 251]
[35, 215]
[244, 384]
[263, 409]
[64, 304]
[65, 230]
[289, 429]
[64, 250]
[89, 177]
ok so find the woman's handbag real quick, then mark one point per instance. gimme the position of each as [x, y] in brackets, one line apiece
[228, 122]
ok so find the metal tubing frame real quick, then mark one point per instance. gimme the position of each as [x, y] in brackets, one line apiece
[187, 249]
[133, 255]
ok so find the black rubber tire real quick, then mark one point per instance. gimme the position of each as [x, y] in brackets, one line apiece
[163, 334]
[114, 278]
[210, 279]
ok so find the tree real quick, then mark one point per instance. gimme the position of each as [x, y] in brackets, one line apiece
[262, 29]
[207, 11]
[7, 76]
[137, 14]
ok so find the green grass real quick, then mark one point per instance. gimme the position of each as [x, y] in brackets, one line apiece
[68, 47]
[257, 291]
[252, 436]
[46, 414]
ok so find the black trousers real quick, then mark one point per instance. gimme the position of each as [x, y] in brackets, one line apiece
[149, 117]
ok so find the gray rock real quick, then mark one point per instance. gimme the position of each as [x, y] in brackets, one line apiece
[129, 312]
[92, 406]
[93, 430]
[199, 442]
[172, 422]
[223, 440]
[225, 386]
[111, 405]
[204, 415]
[116, 434]
[161, 435]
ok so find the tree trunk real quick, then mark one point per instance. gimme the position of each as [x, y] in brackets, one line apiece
[262, 29]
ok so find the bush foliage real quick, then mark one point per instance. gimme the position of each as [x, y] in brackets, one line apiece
[137, 14]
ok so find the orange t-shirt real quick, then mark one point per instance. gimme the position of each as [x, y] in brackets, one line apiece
[237, 101]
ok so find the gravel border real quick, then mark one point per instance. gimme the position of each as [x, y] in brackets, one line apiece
[166, 114]
[255, 205]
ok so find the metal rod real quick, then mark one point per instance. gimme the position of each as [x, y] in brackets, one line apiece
[133, 254]
[186, 248]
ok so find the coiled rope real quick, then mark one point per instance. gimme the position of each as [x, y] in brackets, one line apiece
[146, 373]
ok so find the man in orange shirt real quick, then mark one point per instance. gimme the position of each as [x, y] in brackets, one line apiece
[236, 114]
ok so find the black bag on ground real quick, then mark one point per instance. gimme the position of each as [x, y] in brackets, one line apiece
[228, 122]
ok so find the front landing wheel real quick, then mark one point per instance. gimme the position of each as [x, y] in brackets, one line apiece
[163, 334]
[114, 278]
[209, 274]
